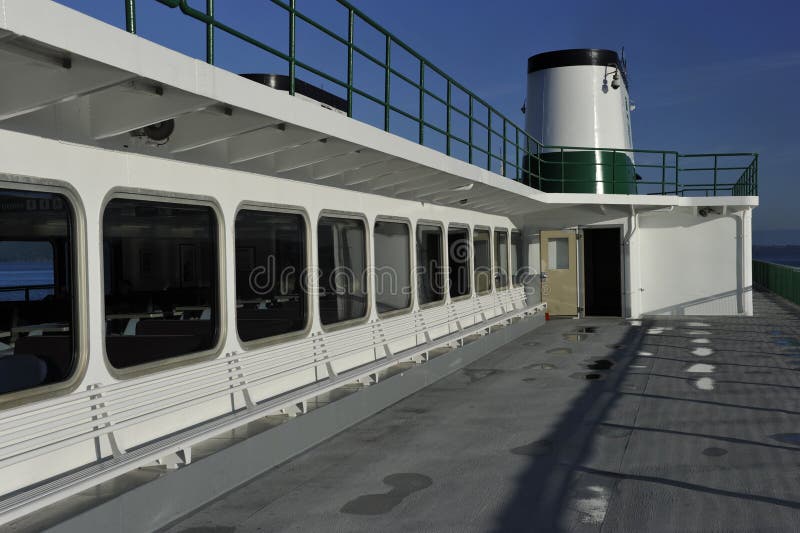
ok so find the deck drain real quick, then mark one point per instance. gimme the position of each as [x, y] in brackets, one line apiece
[587, 329]
[560, 351]
[788, 438]
[539, 447]
[616, 346]
[528, 380]
[714, 452]
[600, 364]
[593, 376]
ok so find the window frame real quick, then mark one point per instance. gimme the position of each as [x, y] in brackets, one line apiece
[330, 213]
[170, 363]
[471, 263]
[79, 286]
[491, 289]
[249, 205]
[495, 267]
[445, 261]
[411, 262]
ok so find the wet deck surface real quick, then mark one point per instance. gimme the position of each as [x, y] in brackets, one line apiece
[691, 424]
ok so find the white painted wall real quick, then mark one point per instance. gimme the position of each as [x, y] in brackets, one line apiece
[687, 264]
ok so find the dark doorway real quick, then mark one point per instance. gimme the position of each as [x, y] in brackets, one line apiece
[603, 271]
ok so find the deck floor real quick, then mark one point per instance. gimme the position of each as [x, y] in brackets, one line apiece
[693, 424]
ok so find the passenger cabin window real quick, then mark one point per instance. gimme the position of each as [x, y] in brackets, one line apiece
[342, 251]
[483, 261]
[430, 264]
[501, 259]
[37, 342]
[270, 269]
[162, 280]
[392, 266]
[458, 253]
[518, 258]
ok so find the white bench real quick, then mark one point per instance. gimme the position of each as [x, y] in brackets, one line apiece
[103, 410]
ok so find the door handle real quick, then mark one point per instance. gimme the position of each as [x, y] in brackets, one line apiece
[543, 275]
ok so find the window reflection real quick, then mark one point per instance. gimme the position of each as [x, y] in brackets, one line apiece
[37, 344]
[458, 254]
[342, 253]
[392, 266]
[161, 288]
[483, 261]
[270, 274]
[430, 264]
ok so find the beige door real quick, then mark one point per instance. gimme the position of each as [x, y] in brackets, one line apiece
[559, 253]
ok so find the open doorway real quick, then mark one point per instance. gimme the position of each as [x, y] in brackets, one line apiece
[602, 264]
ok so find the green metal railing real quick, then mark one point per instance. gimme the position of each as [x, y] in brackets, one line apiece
[489, 138]
[781, 279]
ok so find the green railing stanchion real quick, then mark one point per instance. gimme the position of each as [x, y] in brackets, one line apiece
[449, 115]
[562, 171]
[350, 37]
[292, 50]
[470, 128]
[505, 149]
[130, 16]
[613, 171]
[387, 90]
[715, 174]
[516, 153]
[663, 171]
[489, 141]
[210, 33]
[421, 102]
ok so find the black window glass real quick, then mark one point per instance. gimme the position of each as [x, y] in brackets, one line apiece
[392, 266]
[270, 274]
[458, 254]
[483, 261]
[342, 253]
[37, 345]
[160, 261]
[430, 264]
[518, 258]
[501, 259]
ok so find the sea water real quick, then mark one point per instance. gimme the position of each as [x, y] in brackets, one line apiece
[25, 273]
[781, 255]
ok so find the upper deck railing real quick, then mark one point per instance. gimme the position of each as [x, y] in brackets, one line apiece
[424, 104]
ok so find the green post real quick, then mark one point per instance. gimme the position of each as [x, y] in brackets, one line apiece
[130, 16]
[449, 108]
[470, 128]
[350, 35]
[210, 32]
[663, 172]
[516, 151]
[489, 140]
[505, 148]
[387, 89]
[292, 57]
[562, 170]
[715, 175]
[421, 102]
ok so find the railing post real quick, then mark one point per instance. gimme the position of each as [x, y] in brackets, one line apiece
[489, 139]
[210, 32]
[516, 151]
[470, 128]
[421, 101]
[755, 175]
[449, 107]
[292, 58]
[562, 170]
[715, 175]
[130, 16]
[613, 171]
[663, 172]
[350, 36]
[388, 80]
[505, 148]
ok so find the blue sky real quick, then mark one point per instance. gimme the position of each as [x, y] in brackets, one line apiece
[706, 76]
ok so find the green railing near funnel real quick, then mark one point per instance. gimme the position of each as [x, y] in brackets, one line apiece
[474, 131]
[781, 279]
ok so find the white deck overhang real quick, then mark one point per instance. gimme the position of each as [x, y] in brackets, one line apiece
[63, 67]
